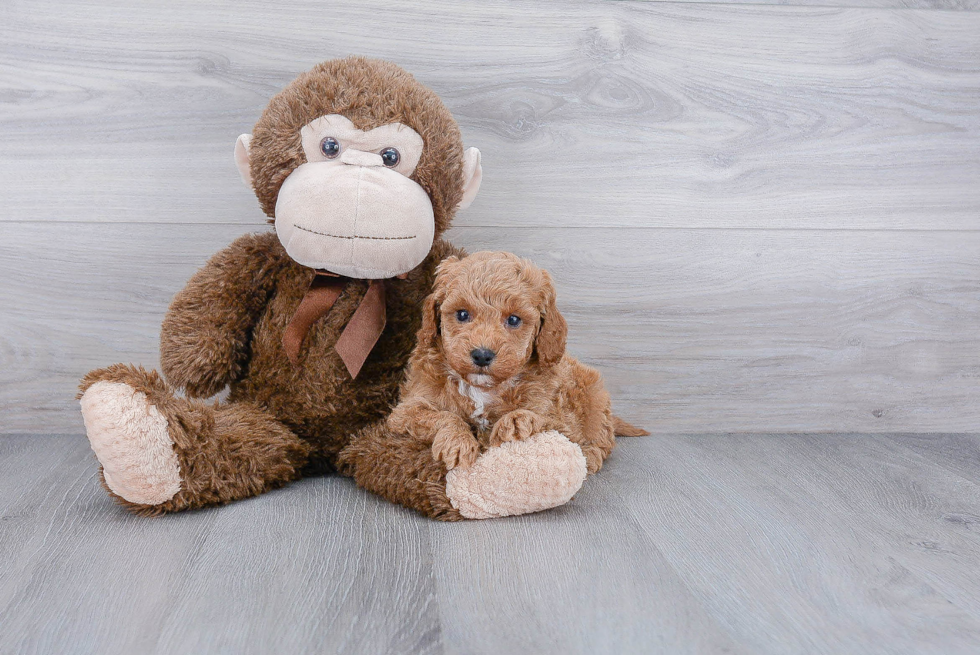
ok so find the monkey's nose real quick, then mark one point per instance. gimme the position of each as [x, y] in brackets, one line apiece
[482, 356]
[356, 157]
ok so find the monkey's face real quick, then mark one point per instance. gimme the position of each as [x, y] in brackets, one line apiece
[353, 208]
[360, 166]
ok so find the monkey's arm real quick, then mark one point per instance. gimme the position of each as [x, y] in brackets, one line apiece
[451, 437]
[205, 336]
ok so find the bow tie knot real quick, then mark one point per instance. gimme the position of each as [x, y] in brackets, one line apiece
[360, 334]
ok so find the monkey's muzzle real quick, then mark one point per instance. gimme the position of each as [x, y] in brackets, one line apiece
[360, 221]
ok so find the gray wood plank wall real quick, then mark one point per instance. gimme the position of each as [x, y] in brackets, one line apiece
[761, 217]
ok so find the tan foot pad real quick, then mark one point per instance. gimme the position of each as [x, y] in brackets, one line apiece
[518, 477]
[130, 438]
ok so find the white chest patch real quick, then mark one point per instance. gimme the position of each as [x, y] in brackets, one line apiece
[481, 398]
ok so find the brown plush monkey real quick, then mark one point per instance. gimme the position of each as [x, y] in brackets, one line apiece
[362, 169]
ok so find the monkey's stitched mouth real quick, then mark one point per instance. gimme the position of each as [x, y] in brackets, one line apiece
[338, 236]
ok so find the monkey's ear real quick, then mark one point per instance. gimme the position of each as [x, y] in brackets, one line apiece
[241, 158]
[472, 176]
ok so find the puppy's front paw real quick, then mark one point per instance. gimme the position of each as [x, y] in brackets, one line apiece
[516, 426]
[455, 448]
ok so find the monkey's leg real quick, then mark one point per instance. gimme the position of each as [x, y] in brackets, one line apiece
[160, 453]
[398, 468]
[518, 477]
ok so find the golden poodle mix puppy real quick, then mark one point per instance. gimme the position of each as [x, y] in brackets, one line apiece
[490, 367]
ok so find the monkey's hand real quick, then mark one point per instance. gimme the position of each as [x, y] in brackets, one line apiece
[517, 426]
[204, 339]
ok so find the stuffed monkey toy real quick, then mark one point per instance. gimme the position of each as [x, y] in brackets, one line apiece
[361, 169]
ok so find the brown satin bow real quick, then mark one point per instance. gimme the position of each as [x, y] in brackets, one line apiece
[362, 330]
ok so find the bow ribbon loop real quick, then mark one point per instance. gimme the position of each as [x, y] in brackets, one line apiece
[359, 335]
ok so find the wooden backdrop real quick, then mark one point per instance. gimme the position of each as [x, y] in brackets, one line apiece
[760, 217]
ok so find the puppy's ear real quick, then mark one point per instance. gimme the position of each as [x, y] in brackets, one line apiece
[444, 271]
[429, 331]
[550, 342]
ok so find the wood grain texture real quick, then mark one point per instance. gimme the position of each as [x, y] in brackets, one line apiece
[944, 5]
[745, 543]
[582, 579]
[332, 570]
[959, 453]
[322, 567]
[631, 114]
[761, 217]
[739, 516]
[693, 329]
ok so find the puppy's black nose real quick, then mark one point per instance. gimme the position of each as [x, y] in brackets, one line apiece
[482, 356]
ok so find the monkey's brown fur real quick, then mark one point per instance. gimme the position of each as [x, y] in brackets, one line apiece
[225, 327]
[535, 385]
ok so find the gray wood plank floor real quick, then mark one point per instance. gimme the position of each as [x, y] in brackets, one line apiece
[726, 543]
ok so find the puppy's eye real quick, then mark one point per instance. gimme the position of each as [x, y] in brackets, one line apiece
[330, 147]
[462, 315]
[514, 321]
[390, 157]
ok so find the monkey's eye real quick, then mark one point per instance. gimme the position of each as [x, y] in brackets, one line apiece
[462, 315]
[390, 157]
[330, 147]
[514, 321]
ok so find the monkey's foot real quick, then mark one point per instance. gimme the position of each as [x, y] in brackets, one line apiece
[129, 436]
[518, 477]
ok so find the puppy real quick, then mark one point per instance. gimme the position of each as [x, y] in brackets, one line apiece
[490, 366]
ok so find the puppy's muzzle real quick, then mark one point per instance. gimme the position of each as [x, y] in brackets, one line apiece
[482, 356]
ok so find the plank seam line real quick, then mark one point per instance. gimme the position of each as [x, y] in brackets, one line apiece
[771, 5]
[709, 228]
